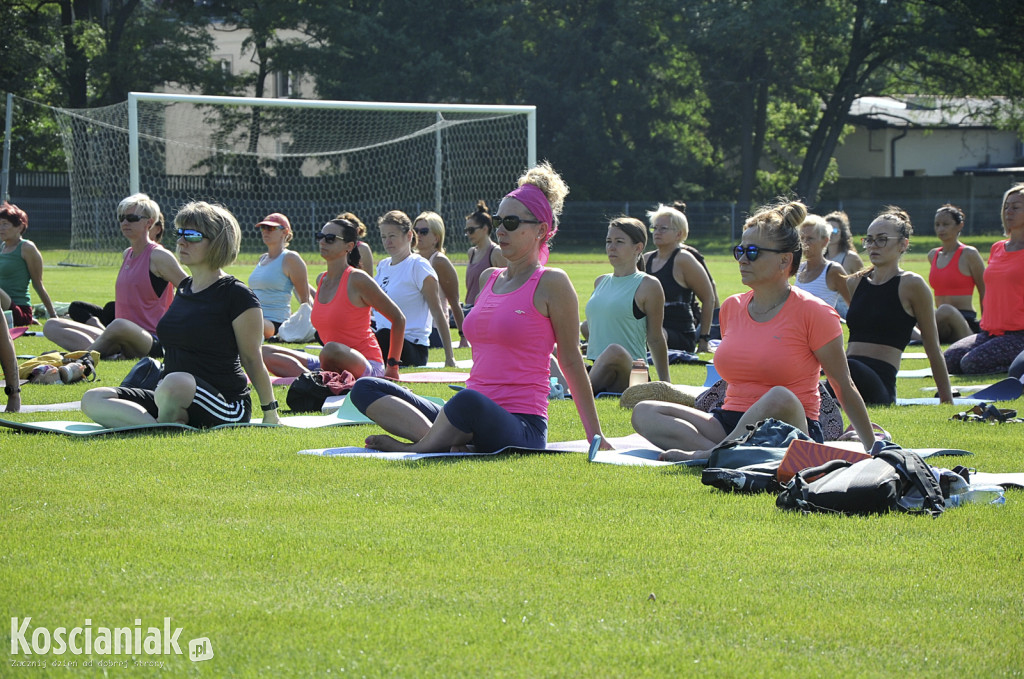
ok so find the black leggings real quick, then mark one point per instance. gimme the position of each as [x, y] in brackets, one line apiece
[874, 379]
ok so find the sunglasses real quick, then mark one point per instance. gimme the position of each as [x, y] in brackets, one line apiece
[423, 232]
[328, 238]
[880, 241]
[470, 230]
[752, 252]
[131, 219]
[511, 223]
[191, 235]
[269, 227]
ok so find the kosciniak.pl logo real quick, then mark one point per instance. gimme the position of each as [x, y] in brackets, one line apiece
[89, 640]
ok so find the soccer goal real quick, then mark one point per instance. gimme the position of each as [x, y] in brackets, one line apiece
[307, 159]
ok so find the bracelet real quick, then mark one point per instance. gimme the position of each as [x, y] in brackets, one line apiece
[394, 362]
[11, 391]
[705, 338]
[270, 406]
[461, 334]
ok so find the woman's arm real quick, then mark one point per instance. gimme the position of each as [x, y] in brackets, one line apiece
[365, 258]
[448, 280]
[248, 327]
[651, 300]
[163, 264]
[918, 295]
[34, 261]
[370, 294]
[858, 262]
[689, 273]
[976, 265]
[497, 259]
[556, 299]
[836, 281]
[294, 268]
[833, 362]
[431, 292]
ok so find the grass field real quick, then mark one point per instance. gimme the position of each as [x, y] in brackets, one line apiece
[518, 566]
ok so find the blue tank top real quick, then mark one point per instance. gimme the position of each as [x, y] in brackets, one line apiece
[273, 289]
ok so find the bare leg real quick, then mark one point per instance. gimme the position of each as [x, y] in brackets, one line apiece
[5, 301]
[268, 329]
[174, 395]
[442, 436]
[337, 357]
[103, 407]
[125, 338]
[672, 427]
[779, 403]
[70, 335]
[284, 361]
[611, 370]
[398, 417]
[952, 325]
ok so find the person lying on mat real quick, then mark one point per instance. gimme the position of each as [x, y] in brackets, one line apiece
[212, 330]
[1001, 338]
[410, 281]
[341, 315]
[9, 364]
[775, 341]
[278, 272]
[142, 293]
[683, 276]
[20, 264]
[886, 303]
[522, 311]
[625, 312]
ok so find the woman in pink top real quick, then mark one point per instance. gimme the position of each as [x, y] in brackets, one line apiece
[145, 286]
[521, 313]
[341, 315]
[775, 340]
[1002, 318]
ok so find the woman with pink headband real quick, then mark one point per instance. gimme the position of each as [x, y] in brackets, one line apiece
[522, 312]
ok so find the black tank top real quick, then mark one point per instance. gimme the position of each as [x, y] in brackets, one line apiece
[678, 300]
[877, 316]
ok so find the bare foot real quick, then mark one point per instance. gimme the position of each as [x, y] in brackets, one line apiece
[675, 455]
[386, 443]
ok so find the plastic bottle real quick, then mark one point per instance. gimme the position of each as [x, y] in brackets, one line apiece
[71, 372]
[638, 373]
[978, 495]
[44, 374]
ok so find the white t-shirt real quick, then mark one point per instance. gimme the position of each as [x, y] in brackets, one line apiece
[403, 283]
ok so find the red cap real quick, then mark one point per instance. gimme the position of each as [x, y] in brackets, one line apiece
[276, 219]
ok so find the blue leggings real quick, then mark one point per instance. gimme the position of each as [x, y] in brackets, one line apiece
[491, 426]
[1017, 367]
[984, 353]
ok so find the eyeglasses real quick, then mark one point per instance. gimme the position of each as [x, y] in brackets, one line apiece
[328, 238]
[423, 231]
[269, 227]
[131, 218]
[191, 235]
[511, 223]
[879, 241]
[752, 252]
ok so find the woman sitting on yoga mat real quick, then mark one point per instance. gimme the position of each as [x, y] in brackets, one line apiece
[682, 277]
[821, 277]
[278, 272]
[142, 293]
[1002, 317]
[520, 314]
[341, 315]
[624, 314]
[429, 228]
[20, 264]
[955, 271]
[483, 254]
[775, 341]
[841, 249]
[886, 303]
[9, 364]
[212, 330]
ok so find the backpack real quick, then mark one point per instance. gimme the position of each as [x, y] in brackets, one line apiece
[310, 389]
[892, 479]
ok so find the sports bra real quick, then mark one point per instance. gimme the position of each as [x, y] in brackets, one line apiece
[876, 315]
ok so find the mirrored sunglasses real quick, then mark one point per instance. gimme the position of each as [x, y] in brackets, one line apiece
[752, 252]
[191, 235]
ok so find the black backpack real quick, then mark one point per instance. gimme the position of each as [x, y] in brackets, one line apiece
[893, 479]
[308, 393]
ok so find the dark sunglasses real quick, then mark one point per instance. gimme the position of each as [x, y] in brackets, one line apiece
[269, 227]
[422, 232]
[132, 218]
[328, 238]
[470, 230]
[752, 252]
[511, 223]
[191, 235]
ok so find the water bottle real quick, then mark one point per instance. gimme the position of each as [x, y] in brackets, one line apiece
[44, 374]
[978, 495]
[71, 372]
[638, 373]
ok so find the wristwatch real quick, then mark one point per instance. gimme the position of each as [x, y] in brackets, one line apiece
[705, 338]
[11, 391]
[394, 362]
[270, 406]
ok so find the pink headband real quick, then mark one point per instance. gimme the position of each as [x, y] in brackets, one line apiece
[537, 203]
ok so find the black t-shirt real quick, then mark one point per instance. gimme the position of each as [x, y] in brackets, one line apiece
[197, 336]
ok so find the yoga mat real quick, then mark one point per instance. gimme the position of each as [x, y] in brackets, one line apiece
[50, 407]
[464, 363]
[712, 376]
[342, 408]
[1008, 387]
[1006, 480]
[433, 377]
[557, 447]
[15, 333]
[914, 354]
[923, 372]
[1005, 390]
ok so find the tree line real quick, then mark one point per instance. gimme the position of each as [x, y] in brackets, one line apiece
[705, 99]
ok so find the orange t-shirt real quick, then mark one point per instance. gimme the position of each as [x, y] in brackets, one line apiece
[1004, 291]
[754, 357]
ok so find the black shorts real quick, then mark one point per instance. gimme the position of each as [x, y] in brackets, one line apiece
[412, 354]
[730, 418]
[208, 409]
[682, 341]
[971, 316]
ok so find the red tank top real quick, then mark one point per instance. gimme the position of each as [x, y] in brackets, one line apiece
[947, 281]
[341, 321]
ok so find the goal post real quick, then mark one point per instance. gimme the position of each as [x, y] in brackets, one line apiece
[305, 158]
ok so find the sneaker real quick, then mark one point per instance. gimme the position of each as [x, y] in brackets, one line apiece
[656, 391]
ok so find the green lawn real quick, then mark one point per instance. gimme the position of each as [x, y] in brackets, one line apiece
[517, 566]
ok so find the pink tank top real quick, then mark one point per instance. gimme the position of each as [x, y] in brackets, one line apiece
[341, 321]
[512, 343]
[134, 298]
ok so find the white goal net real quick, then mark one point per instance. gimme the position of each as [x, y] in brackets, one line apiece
[307, 159]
